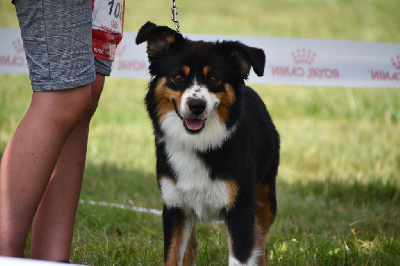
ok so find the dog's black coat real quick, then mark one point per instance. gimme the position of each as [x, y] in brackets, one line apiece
[242, 160]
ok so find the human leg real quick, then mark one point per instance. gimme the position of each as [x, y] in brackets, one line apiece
[53, 224]
[57, 42]
[30, 157]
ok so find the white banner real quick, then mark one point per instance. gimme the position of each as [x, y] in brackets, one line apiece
[290, 61]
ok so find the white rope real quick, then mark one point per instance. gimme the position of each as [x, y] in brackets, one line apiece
[121, 206]
[128, 207]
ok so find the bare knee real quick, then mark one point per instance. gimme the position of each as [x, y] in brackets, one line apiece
[62, 108]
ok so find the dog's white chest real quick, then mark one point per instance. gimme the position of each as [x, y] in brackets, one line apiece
[194, 191]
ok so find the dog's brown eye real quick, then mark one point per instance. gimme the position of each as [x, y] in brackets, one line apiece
[214, 80]
[177, 78]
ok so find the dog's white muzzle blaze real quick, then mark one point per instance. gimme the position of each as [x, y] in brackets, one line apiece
[202, 128]
[197, 104]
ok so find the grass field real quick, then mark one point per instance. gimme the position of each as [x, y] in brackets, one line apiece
[339, 180]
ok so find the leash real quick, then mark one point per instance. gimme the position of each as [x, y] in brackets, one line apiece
[174, 17]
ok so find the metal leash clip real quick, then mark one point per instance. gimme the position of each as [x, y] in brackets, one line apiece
[174, 17]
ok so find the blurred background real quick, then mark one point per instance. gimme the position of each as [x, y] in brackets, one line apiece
[338, 184]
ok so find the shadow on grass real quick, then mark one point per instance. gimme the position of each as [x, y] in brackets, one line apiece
[332, 207]
[107, 236]
[336, 222]
[319, 217]
[313, 207]
[107, 182]
[350, 191]
[329, 220]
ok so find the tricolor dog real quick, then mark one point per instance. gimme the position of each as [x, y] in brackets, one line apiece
[216, 146]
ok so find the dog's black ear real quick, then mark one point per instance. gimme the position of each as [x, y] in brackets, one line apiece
[245, 57]
[159, 38]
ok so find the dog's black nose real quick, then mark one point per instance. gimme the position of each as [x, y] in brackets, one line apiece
[197, 106]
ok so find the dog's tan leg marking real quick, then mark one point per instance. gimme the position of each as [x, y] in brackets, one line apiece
[191, 249]
[165, 97]
[173, 257]
[265, 218]
[182, 245]
[232, 192]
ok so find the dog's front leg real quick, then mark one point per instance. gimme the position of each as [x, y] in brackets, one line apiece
[244, 248]
[178, 232]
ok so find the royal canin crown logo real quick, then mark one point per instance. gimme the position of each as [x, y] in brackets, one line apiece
[18, 46]
[396, 62]
[303, 56]
[387, 75]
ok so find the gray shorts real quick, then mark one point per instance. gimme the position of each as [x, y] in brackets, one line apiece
[57, 37]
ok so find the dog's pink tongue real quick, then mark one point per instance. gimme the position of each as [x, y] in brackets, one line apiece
[194, 124]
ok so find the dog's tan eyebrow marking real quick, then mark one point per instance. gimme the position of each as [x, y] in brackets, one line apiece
[186, 70]
[206, 70]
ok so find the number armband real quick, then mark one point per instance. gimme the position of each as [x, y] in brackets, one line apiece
[107, 27]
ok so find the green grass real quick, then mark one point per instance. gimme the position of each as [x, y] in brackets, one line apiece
[339, 179]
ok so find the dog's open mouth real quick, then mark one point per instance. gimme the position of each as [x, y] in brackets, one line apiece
[193, 125]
